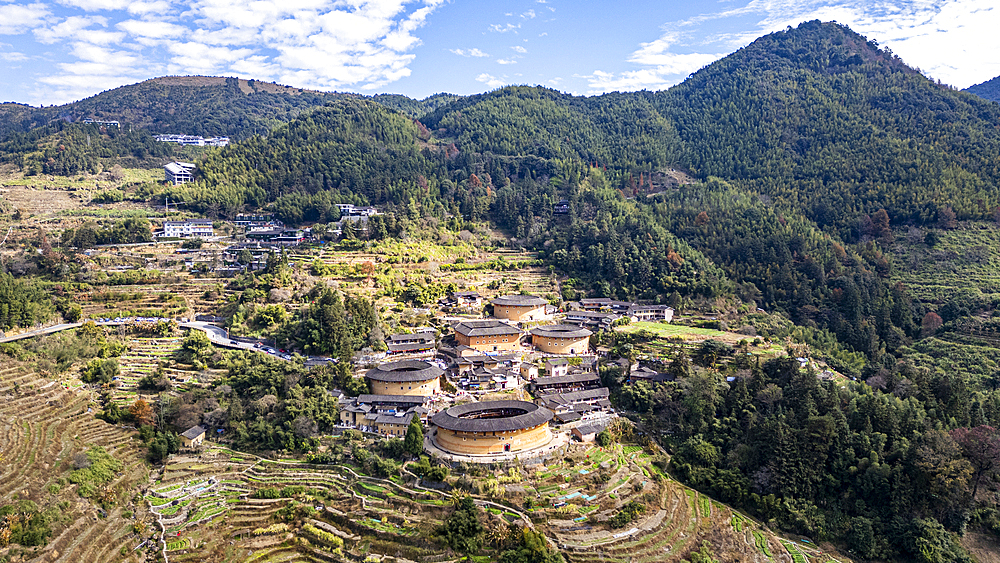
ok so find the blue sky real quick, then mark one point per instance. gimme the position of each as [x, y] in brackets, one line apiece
[58, 51]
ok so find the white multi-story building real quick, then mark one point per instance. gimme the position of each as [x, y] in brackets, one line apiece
[193, 140]
[190, 228]
[178, 173]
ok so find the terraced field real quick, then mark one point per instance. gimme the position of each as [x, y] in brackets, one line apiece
[143, 357]
[43, 424]
[207, 511]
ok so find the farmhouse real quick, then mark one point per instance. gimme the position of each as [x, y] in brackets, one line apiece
[193, 437]
[651, 313]
[178, 173]
[419, 343]
[643, 373]
[598, 320]
[407, 377]
[492, 427]
[463, 300]
[561, 339]
[351, 210]
[488, 335]
[363, 411]
[605, 304]
[566, 383]
[519, 308]
[569, 407]
[588, 431]
[393, 425]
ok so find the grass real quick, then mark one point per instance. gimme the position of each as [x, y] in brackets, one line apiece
[666, 330]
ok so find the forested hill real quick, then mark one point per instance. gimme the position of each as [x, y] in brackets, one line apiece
[824, 121]
[810, 142]
[196, 105]
[989, 90]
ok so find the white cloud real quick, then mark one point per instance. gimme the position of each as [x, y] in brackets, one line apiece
[13, 56]
[469, 52]
[140, 29]
[156, 7]
[490, 81]
[507, 61]
[530, 14]
[94, 5]
[320, 44]
[16, 19]
[519, 49]
[68, 28]
[948, 39]
[504, 28]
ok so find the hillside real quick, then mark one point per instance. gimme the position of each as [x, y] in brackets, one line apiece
[989, 90]
[195, 105]
[826, 123]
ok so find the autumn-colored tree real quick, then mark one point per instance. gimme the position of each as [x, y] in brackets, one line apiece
[701, 219]
[367, 269]
[141, 412]
[880, 224]
[946, 217]
[932, 321]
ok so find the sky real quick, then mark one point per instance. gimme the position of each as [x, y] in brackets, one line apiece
[54, 52]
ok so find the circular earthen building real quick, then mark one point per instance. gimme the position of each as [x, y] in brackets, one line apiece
[519, 307]
[561, 339]
[492, 427]
[407, 377]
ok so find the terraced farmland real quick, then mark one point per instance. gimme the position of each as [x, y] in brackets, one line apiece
[208, 511]
[43, 424]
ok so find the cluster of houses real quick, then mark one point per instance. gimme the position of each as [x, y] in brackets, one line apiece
[512, 350]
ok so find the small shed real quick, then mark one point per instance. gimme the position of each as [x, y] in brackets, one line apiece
[193, 437]
[587, 432]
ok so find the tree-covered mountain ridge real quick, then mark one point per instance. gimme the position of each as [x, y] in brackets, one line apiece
[197, 105]
[989, 90]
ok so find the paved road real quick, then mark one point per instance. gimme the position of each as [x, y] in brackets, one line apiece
[217, 335]
[39, 332]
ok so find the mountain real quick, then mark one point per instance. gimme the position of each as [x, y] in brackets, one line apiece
[826, 122]
[808, 140]
[989, 90]
[196, 105]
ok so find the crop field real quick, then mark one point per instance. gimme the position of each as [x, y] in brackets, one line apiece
[965, 260]
[43, 425]
[209, 510]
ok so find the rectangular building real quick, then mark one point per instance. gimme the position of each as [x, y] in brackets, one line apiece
[189, 228]
[178, 173]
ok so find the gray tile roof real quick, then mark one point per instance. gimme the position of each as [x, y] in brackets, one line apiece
[488, 327]
[505, 416]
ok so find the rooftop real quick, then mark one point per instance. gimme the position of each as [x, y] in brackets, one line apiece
[397, 399]
[488, 327]
[193, 432]
[520, 301]
[566, 379]
[492, 416]
[406, 370]
[561, 331]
